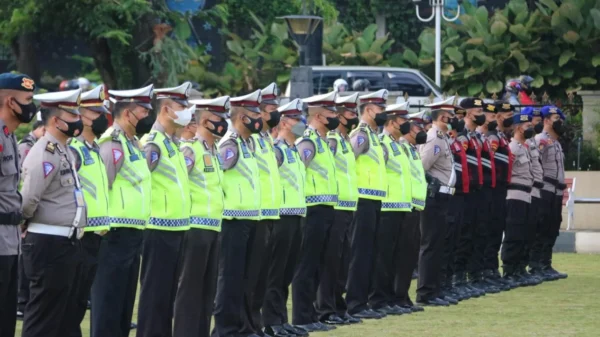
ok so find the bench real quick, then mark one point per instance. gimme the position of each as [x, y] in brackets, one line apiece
[569, 201]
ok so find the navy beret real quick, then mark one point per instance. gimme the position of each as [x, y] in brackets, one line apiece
[503, 106]
[471, 102]
[18, 82]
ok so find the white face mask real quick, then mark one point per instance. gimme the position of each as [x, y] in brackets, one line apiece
[184, 117]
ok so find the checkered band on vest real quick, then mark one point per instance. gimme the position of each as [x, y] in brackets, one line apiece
[127, 221]
[321, 198]
[418, 202]
[344, 203]
[293, 211]
[169, 222]
[368, 191]
[240, 214]
[269, 212]
[98, 221]
[395, 205]
[194, 220]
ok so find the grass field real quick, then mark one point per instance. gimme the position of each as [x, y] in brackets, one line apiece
[563, 308]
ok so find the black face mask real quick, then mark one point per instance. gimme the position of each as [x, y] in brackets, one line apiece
[528, 133]
[421, 137]
[460, 126]
[99, 125]
[255, 125]
[492, 126]
[74, 128]
[351, 123]
[538, 128]
[332, 123]
[405, 128]
[220, 127]
[479, 120]
[144, 125]
[558, 127]
[27, 112]
[453, 123]
[275, 117]
[380, 119]
[507, 123]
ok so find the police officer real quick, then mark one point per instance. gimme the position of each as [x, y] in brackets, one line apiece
[285, 239]
[407, 248]
[372, 189]
[94, 183]
[472, 146]
[518, 198]
[16, 95]
[189, 131]
[321, 193]
[439, 167]
[54, 207]
[552, 158]
[503, 165]
[271, 195]
[331, 304]
[25, 144]
[169, 214]
[536, 213]
[116, 281]
[242, 210]
[393, 209]
[201, 246]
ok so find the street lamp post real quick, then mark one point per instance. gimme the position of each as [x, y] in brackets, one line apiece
[301, 27]
[438, 14]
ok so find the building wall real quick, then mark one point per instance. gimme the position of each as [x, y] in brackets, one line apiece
[586, 216]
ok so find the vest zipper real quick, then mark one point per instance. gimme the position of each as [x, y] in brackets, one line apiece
[122, 200]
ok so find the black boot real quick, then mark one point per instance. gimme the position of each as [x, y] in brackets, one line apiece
[510, 274]
[472, 280]
[553, 273]
[480, 282]
[488, 277]
[498, 277]
[460, 292]
[459, 280]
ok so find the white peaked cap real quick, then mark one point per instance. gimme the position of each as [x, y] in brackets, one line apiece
[65, 100]
[422, 116]
[349, 102]
[94, 100]
[219, 106]
[179, 94]
[447, 104]
[141, 96]
[250, 102]
[326, 101]
[378, 97]
[293, 108]
[397, 109]
[270, 93]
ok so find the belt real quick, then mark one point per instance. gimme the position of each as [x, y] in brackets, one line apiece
[561, 186]
[67, 232]
[447, 190]
[538, 184]
[13, 218]
[520, 187]
[552, 181]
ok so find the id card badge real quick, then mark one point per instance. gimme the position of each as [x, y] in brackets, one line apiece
[79, 198]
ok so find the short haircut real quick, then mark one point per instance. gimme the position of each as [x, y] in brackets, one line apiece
[37, 124]
[436, 113]
[119, 107]
[392, 118]
[47, 113]
[361, 108]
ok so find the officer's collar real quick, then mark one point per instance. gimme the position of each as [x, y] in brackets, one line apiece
[118, 127]
[387, 133]
[53, 139]
[204, 143]
[88, 144]
[33, 137]
[365, 124]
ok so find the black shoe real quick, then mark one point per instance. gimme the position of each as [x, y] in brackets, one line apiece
[132, 326]
[449, 299]
[413, 308]
[557, 275]
[402, 309]
[292, 330]
[539, 273]
[333, 319]
[368, 314]
[415, 275]
[311, 327]
[277, 331]
[327, 327]
[433, 302]
[351, 320]
[387, 310]
[89, 304]
[265, 334]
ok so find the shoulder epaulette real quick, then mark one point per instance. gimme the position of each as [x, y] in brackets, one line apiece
[151, 136]
[440, 134]
[115, 135]
[307, 133]
[50, 147]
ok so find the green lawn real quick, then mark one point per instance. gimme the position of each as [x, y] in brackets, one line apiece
[568, 307]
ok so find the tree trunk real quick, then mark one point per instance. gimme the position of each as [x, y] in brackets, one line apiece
[26, 57]
[102, 60]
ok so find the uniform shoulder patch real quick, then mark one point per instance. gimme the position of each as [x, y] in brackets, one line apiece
[117, 155]
[50, 147]
[306, 153]
[151, 136]
[436, 150]
[440, 134]
[307, 133]
[153, 157]
[360, 140]
[115, 135]
[229, 154]
[48, 168]
[5, 129]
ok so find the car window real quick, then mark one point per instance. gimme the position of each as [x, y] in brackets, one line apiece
[375, 78]
[407, 83]
[323, 81]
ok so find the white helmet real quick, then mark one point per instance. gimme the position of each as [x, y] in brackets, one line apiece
[340, 85]
[84, 83]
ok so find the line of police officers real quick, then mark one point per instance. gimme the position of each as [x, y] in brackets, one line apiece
[306, 194]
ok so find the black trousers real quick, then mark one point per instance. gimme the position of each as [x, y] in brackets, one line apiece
[433, 232]
[23, 291]
[256, 279]
[406, 257]
[537, 252]
[362, 250]
[553, 230]
[8, 294]
[51, 264]
[197, 283]
[344, 217]
[315, 234]
[161, 254]
[483, 207]
[282, 255]
[329, 292]
[90, 244]
[456, 209]
[233, 263]
[513, 247]
[115, 285]
[466, 231]
[384, 271]
[497, 225]
[533, 219]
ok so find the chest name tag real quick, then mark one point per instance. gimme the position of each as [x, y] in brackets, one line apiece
[220, 160]
[245, 151]
[133, 155]
[414, 154]
[290, 156]
[263, 146]
[320, 148]
[395, 149]
[87, 157]
[208, 164]
[169, 147]
[344, 145]
[79, 201]
[374, 139]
